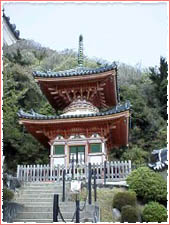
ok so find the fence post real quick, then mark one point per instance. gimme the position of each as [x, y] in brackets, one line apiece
[55, 207]
[130, 166]
[64, 173]
[104, 172]
[27, 172]
[95, 193]
[18, 169]
[72, 168]
[77, 211]
[89, 184]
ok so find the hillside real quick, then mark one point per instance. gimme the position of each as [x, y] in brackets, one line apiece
[146, 91]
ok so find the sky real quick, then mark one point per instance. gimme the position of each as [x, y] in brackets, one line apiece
[131, 33]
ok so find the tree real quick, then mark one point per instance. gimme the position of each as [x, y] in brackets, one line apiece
[159, 80]
[148, 128]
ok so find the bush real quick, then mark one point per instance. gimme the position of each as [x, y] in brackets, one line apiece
[148, 185]
[129, 214]
[137, 155]
[154, 212]
[124, 198]
[7, 194]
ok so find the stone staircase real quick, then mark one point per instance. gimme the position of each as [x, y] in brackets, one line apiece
[36, 199]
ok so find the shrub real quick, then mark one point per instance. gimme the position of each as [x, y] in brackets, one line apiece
[129, 214]
[7, 194]
[148, 185]
[124, 198]
[154, 212]
[137, 155]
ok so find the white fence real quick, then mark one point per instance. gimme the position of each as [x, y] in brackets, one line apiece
[111, 170]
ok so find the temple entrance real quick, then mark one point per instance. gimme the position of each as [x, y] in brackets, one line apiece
[77, 154]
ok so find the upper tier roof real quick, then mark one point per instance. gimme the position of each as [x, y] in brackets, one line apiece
[75, 72]
[96, 85]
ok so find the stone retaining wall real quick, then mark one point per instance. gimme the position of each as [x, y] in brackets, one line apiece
[10, 210]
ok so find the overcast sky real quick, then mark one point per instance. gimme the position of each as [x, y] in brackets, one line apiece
[133, 33]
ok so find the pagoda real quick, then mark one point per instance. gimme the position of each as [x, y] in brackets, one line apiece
[93, 121]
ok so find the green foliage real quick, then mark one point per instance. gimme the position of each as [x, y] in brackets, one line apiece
[124, 198]
[136, 155]
[20, 92]
[159, 79]
[148, 184]
[154, 212]
[47, 109]
[148, 125]
[116, 153]
[7, 194]
[129, 214]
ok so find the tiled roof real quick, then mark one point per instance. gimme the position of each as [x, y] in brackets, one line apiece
[35, 116]
[75, 72]
[12, 27]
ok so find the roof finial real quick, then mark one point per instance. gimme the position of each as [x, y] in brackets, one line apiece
[80, 52]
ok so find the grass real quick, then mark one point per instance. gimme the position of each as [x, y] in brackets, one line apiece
[104, 199]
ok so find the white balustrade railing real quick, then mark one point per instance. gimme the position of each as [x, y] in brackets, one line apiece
[117, 170]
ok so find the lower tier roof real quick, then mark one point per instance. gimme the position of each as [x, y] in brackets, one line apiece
[36, 116]
[112, 124]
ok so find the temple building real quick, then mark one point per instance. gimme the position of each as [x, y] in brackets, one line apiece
[93, 121]
[10, 34]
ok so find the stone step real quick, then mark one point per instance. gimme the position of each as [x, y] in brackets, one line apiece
[34, 215]
[33, 220]
[38, 209]
[43, 201]
[38, 195]
[68, 204]
[35, 204]
[42, 183]
[49, 208]
[43, 187]
[47, 220]
[48, 215]
[37, 200]
[40, 192]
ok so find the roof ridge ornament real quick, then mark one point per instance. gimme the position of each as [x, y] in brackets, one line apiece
[80, 51]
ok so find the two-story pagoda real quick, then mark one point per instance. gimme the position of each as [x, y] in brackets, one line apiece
[93, 121]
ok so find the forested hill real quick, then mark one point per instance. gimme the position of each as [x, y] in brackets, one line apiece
[146, 90]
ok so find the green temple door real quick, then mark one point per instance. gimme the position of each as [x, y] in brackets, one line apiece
[77, 154]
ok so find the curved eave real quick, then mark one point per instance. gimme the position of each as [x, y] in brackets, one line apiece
[103, 84]
[113, 127]
[69, 119]
[74, 72]
[76, 77]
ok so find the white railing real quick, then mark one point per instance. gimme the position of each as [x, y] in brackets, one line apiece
[112, 170]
